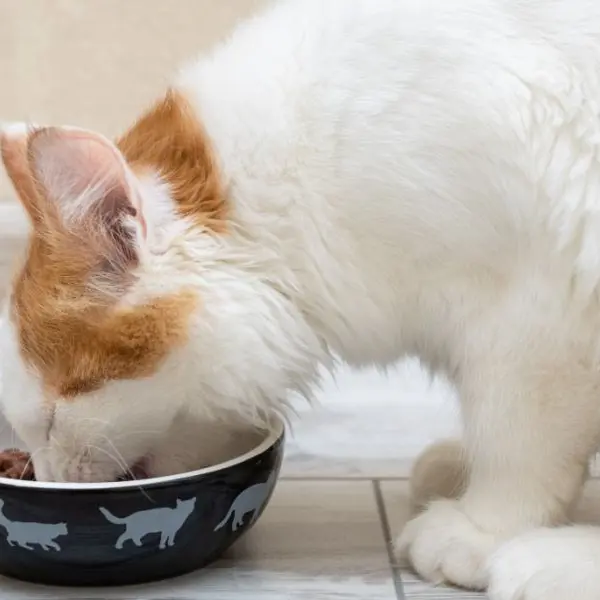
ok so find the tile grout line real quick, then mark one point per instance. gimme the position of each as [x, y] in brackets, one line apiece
[387, 535]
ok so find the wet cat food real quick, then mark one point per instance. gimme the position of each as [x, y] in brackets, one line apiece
[16, 464]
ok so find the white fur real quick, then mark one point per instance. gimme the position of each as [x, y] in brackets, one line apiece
[552, 564]
[407, 177]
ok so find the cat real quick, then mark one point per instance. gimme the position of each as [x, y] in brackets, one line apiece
[27, 534]
[345, 180]
[167, 521]
[251, 500]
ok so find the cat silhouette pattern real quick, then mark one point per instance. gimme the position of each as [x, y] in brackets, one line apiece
[28, 534]
[251, 500]
[167, 521]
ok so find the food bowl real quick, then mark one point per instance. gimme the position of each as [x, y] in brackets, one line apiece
[128, 532]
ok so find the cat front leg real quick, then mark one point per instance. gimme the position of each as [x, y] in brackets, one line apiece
[163, 540]
[531, 426]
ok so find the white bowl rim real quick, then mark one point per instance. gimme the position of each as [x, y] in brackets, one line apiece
[275, 433]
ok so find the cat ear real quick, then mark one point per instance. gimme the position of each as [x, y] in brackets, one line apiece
[86, 187]
[13, 148]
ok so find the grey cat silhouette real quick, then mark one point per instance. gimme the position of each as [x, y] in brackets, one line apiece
[251, 500]
[167, 521]
[26, 534]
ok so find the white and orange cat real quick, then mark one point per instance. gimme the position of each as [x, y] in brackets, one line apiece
[366, 179]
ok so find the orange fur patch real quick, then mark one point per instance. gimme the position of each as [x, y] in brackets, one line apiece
[76, 337]
[169, 140]
[78, 340]
[77, 351]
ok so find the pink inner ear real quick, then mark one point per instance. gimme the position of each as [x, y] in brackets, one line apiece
[86, 183]
[74, 166]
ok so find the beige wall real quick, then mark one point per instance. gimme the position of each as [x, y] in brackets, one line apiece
[95, 64]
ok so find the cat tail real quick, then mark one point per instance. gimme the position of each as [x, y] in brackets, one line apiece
[225, 520]
[110, 517]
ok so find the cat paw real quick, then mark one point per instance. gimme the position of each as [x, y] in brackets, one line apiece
[444, 546]
[548, 564]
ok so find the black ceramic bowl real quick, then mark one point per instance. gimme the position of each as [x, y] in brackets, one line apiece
[133, 531]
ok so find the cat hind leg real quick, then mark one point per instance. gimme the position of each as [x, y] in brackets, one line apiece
[441, 471]
[238, 521]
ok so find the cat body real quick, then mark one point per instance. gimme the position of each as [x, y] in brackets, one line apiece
[27, 534]
[363, 180]
[167, 521]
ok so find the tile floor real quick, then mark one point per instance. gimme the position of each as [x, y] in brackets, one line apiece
[342, 498]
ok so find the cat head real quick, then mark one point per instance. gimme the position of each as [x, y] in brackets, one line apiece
[85, 318]
[136, 300]
[100, 314]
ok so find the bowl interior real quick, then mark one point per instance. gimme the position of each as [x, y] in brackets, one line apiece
[236, 450]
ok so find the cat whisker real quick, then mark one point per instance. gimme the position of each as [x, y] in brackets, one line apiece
[54, 442]
[120, 456]
[116, 458]
[30, 459]
[122, 465]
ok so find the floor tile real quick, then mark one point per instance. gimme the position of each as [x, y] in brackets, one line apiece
[396, 502]
[317, 540]
[395, 496]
